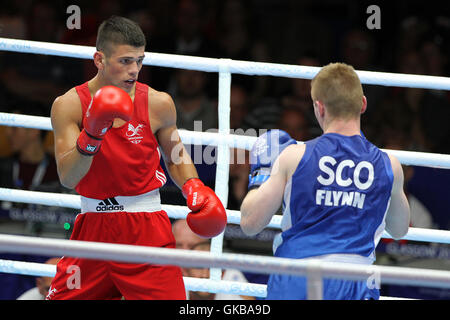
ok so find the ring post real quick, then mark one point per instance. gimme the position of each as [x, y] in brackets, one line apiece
[223, 155]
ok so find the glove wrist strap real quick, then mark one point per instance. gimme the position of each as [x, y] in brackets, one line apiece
[190, 185]
[258, 177]
[88, 145]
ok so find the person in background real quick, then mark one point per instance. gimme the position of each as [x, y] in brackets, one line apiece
[42, 285]
[30, 165]
[187, 240]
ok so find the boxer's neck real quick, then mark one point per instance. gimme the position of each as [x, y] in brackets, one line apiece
[343, 126]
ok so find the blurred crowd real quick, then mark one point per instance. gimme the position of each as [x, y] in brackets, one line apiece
[411, 40]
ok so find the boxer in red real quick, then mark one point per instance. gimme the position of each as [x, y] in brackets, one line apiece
[108, 135]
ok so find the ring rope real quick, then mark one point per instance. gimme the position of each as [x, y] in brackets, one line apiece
[192, 284]
[180, 212]
[227, 65]
[245, 262]
[425, 159]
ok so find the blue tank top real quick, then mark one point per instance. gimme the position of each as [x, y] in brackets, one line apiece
[336, 200]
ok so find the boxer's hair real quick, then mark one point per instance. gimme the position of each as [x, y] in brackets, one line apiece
[338, 87]
[118, 30]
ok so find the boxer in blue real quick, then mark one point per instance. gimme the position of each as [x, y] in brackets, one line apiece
[338, 192]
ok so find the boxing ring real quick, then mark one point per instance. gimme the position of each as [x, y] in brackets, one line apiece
[216, 259]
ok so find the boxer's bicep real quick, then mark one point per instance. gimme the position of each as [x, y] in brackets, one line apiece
[261, 204]
[66, 117]
[65, 123]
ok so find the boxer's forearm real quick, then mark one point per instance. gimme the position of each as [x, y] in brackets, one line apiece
[180, 173]
[249, 217]
[72, 167]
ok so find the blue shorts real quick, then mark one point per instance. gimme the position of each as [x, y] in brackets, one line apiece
[287, 287]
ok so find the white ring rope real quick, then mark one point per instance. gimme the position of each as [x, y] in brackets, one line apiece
[180, 212]
[245, 262]
[425, 159]
[191, 284]
[223, 140]
[227, 65]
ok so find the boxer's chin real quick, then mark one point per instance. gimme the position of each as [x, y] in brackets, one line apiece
[128, 85]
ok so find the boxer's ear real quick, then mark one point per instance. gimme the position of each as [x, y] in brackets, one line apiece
[319, 107]
[364, 105]
[99, 60]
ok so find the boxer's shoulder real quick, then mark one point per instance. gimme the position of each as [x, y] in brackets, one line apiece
[159, 99]
[161, 107]
[290, 157]
[68, 105]
[297, 149]
[70, 97]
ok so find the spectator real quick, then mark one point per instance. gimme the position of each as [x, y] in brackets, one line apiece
[428, 110]
[359, 49]
[236, 40]
[265, 114]
[5, 148]
[299, 94]
[31, 166]
[392, 116]
[12, 22]
[294, 122]
[238, 182]
[187, 240]
[233, 30]
[435, 124]
[41, 77]
[239, 107]
[239, 162]
[187, 37]
[191, 101]
[195, 111]
[42, 285]
[432, 54]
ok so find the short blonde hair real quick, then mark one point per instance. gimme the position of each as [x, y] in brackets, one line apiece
[338, 87]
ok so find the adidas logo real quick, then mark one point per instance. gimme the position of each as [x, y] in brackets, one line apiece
[109, 204]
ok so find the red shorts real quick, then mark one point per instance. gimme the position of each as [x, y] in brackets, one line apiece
[79, 279]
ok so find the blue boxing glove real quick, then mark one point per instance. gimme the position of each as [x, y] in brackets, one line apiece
[264, 153]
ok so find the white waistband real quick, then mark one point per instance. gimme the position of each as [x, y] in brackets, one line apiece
[345, 258]
[147, 202]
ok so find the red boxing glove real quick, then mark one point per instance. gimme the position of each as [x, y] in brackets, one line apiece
[208, 217]
[107, 104]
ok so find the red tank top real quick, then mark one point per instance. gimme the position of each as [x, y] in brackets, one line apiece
[128, 163]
